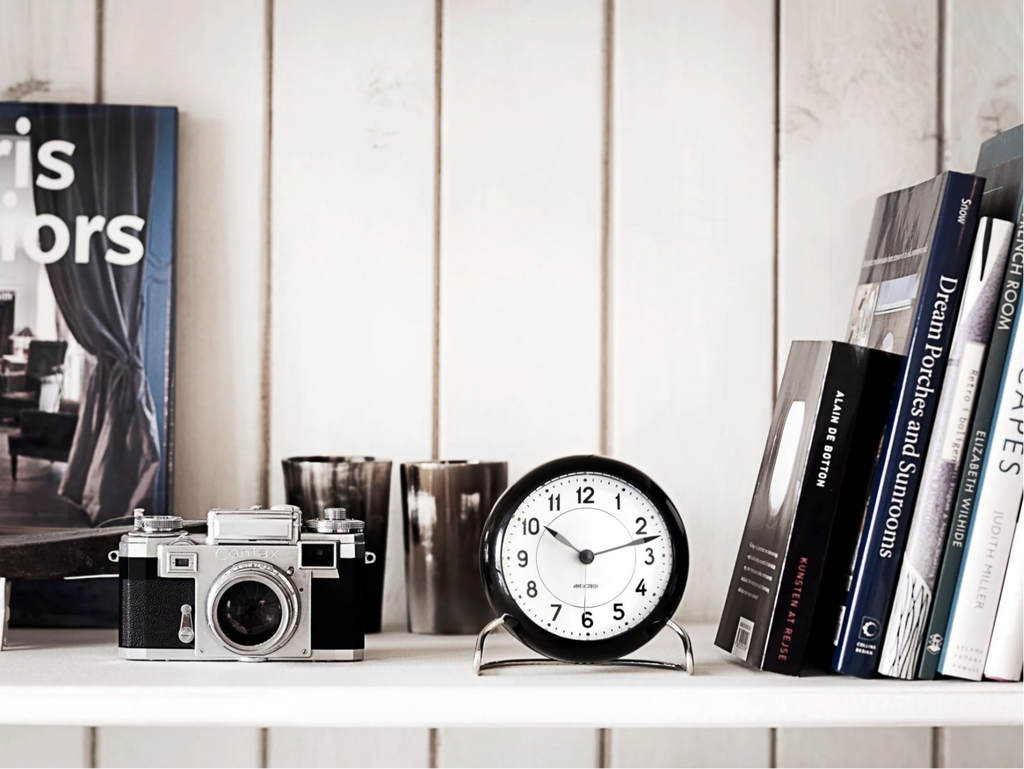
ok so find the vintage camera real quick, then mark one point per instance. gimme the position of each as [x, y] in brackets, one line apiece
[264, 585]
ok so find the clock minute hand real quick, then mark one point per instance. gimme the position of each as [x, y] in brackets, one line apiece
[635, 542]
[561, 539]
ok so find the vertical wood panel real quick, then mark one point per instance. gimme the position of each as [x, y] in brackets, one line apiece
[853, 747]
[352, 296]
[981, 746]
[136, 747]
[215, 72]
[210, 61]
[348, 747]
[983, 91]
[692, 304]
[691, 747]
[44, 746]
[47, 50]
[858, 118]
[517, 747]
[982, 80]
[521, 266]
[521, 230]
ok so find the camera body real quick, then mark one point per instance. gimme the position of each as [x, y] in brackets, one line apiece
[264, 585]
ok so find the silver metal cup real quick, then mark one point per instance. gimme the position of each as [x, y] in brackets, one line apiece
[361, 485]
[444, 505]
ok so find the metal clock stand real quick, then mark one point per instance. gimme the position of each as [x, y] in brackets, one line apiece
[480, 666]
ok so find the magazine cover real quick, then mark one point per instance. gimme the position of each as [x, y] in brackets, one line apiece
[87, 211]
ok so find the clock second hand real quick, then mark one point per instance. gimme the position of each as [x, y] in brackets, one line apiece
[635, 542]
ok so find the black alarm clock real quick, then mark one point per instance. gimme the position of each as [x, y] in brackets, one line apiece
[585, 559]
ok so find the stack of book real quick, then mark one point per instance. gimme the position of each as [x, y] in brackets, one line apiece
[882, 536]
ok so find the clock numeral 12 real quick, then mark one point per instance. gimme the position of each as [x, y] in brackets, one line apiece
[585, 495]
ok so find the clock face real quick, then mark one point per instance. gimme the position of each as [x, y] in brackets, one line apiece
[587, 556]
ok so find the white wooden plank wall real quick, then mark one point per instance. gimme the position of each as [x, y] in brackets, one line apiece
[155, 53]
[520, 266]
[981, 75]
[48, 51]
[352, 234]
[857, 117]
[552, 270]
[348, 748]
[693, 174]
[520, 257]
[982, 83]
[858, 84]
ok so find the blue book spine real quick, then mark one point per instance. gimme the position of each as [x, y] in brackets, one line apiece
[908, 433]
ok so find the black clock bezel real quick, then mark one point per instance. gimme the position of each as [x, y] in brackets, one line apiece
[526, 630]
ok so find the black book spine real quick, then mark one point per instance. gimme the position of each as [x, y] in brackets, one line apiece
[822, 484]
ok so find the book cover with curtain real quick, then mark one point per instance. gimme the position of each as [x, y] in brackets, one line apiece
[87, 241]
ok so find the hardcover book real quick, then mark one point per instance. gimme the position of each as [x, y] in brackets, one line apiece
[996, 151]
[926, 538]
[817, 462]
[87, 211]
[1000, 148]
[910, 288]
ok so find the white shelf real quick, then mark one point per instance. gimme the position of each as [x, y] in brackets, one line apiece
[75, 677]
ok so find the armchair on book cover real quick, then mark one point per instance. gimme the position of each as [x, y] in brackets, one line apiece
[21, 389]
[44, 435]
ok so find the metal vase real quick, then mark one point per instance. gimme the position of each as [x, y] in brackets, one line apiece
[361, 485]
[444, 505]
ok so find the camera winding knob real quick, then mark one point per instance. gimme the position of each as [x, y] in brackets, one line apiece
[335, 521]
[158, 524]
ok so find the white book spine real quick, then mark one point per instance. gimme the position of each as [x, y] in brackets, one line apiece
[1006, 652]
[991, 532]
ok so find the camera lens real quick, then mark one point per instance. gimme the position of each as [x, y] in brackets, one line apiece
[249, 613]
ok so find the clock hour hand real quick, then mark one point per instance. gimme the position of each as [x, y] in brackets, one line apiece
[561, 539]
[635, 542]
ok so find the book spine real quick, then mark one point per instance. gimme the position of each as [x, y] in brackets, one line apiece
[988, 540]
[974, 457]
[808, 541]
[1006, 652]
[909, 615]
[908, 431]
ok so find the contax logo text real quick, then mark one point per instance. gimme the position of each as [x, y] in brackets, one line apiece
[236, 553]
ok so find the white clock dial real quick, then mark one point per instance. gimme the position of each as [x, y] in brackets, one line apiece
[586, 556]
